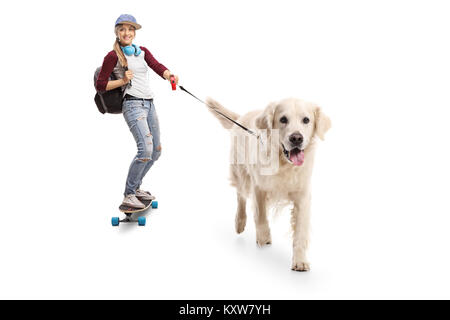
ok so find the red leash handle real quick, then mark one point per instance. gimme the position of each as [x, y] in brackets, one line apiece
[173, 82]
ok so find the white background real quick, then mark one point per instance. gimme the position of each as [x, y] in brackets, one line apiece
[379, 69]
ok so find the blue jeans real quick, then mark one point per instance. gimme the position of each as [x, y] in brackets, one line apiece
[140, 115]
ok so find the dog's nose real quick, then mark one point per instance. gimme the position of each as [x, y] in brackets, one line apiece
[296, 139]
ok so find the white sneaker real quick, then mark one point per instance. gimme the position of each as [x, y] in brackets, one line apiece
[144, 195]
[131, 201]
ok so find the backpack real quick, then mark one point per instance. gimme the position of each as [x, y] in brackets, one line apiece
[108, 101]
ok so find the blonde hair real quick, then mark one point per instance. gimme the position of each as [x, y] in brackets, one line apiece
[116, 47]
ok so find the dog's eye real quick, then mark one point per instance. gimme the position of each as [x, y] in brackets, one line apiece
[305, 120]
[284, 120]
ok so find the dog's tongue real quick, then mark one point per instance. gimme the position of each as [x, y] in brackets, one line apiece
[297, 157]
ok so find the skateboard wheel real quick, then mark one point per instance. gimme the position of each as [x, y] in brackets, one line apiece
[141, 221]
[154, 204]
[115, 221]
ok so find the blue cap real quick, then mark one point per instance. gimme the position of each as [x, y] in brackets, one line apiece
[128, 18]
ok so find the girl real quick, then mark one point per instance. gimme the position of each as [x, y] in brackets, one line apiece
[130, 63]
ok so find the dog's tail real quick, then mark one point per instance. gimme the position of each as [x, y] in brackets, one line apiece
[216, 108]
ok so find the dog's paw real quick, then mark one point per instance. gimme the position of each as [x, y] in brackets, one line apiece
[240, 225]
[263, 237]
[263, 243]
[300, 266]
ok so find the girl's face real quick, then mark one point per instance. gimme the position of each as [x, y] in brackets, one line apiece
[126, 34]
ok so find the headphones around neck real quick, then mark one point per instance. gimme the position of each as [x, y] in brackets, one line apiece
[130, 50]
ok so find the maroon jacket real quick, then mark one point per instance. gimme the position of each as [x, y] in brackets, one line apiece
[110, 61]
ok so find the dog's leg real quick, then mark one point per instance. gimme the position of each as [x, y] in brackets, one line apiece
[262, 225]
[241, 215]
[300, 220]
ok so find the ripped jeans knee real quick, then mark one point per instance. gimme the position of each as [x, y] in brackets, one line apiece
[156, 153]
[145, 153]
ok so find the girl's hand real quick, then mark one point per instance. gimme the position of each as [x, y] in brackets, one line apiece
[176, 78]
[167, 75]
[128, 76]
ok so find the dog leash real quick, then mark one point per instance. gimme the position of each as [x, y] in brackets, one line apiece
[172, 81]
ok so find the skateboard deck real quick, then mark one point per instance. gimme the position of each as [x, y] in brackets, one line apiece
[130, 210]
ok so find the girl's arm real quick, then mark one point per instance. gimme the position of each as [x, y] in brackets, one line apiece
[159, 68]
[103, 83]
[113, 84]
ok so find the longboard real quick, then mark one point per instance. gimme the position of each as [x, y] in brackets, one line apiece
[115, 221]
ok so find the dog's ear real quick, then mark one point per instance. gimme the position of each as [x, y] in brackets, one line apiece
[322, 122]
[265, 120]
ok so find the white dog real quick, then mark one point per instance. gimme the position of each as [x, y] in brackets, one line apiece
[290, 126]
